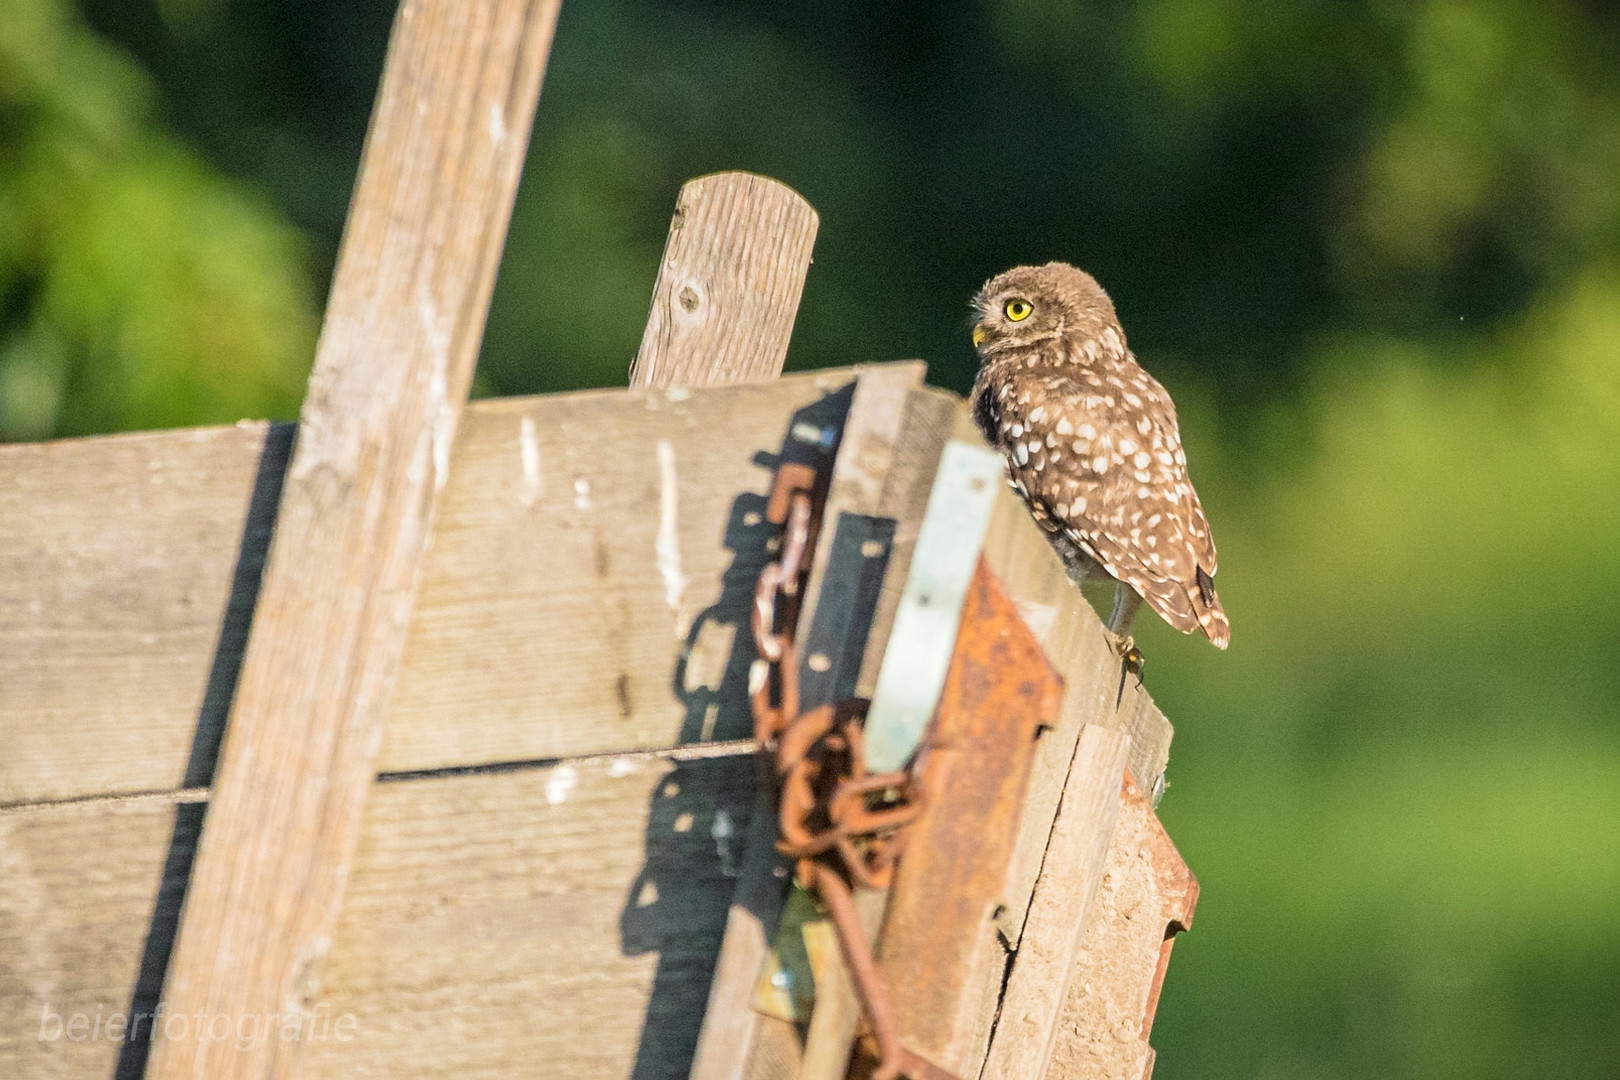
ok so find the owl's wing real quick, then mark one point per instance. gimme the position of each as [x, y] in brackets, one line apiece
[1104, 466]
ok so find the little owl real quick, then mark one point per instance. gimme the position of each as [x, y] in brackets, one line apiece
[1092, 445]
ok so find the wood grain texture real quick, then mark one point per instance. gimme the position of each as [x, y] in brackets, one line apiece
[133, 561]
[131, 564]
[79, 888]
[609, 583]
[729, 283]
[1146, 895]
[401, 332]
[1037, 985]
[568, 916]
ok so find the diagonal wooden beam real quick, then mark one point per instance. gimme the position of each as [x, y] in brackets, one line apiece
[402, 330]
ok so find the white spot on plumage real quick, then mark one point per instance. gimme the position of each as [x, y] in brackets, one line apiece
[1099, 464]
[1020, 453]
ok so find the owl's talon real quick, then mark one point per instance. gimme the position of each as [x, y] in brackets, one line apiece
[1124, 645]
[1131, 662]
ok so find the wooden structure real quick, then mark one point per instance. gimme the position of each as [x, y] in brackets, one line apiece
[476, 797]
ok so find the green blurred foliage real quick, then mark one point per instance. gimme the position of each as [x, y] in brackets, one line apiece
[138, 286]
[1372, 247]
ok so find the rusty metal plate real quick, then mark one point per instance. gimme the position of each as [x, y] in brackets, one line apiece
[999, 692]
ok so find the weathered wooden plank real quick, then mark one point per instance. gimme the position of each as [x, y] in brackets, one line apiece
[564, 920]
[1037, 986]
[132, 563]
[729, 283]
[567, 915]
[401, 333]
[79, 888]
[125, 554]
[1147, 895]
[610, 584]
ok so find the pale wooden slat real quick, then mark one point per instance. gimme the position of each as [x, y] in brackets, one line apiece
[401, 332]
[121, 554]
[1037, 986]
[729, 283]
[1147, 892]
[494, 922]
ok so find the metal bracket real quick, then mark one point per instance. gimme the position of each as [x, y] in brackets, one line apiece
[925, 624]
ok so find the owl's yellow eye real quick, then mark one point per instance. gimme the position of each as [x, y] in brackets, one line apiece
[1017, 310]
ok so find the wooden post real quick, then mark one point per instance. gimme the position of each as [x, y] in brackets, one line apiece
[729, 283]
[402, 330]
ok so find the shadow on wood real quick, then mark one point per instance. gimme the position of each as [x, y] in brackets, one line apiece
[259, 526]
[711, 679]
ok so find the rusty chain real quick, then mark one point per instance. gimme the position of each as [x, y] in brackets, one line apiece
[845, 827]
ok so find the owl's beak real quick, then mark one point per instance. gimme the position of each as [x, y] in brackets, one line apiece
[978, 335]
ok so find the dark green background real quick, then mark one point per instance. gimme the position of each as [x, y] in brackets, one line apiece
[1373, 248]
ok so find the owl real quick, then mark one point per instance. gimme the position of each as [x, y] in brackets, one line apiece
[1092, 445]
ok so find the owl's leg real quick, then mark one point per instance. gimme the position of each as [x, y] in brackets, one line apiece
[1126, 604]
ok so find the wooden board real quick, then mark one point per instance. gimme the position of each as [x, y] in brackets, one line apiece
[122, 553]
[1146, 896]
[568, 915]
[1037, 984]
[81, 886]
[124, 556]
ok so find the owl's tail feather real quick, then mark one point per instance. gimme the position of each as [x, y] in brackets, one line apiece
[1207, 607]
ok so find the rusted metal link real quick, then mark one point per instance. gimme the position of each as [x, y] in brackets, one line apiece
[844, 826]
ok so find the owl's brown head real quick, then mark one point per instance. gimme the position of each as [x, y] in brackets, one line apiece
[1029, 305]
